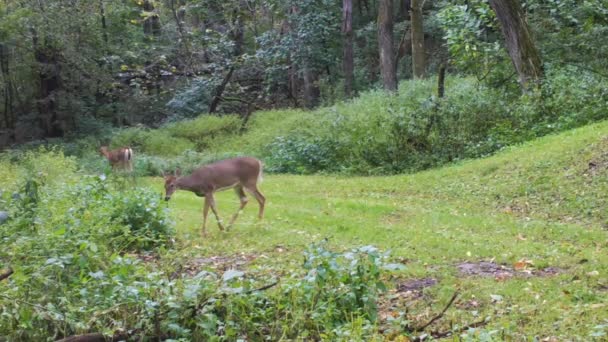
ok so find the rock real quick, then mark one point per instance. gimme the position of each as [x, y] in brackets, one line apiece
[3, 216]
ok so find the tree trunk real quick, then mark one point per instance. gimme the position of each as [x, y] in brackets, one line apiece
[104, 26]
[217, 96]
[385, 41]
[152, 21]
[8, 86]
[238, 30]
[311, 88]
[348, 61]
[518, 39]
[441, 81]
[404, 9]
[49, 76]
[418, 53]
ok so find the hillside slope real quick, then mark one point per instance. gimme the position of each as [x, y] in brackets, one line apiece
[536, 212]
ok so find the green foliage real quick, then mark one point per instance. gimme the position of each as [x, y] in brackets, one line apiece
[143, 213]
[204, 129]
[379, 134]
[156, 142]
[68, 245]
[147, 165]
[475, 43]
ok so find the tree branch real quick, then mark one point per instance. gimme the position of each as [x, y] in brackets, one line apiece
[440, 314]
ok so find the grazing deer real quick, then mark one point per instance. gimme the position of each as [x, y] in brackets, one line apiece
[241, 173]
[119, 158]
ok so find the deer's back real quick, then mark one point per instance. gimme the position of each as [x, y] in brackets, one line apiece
[229, 172]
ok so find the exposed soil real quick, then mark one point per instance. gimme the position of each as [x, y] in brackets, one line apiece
[501, 272]
[218, 262]
[415, 285]
[599, 162]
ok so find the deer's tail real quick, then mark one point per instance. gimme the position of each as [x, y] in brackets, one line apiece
[260, 174]
[128, 154]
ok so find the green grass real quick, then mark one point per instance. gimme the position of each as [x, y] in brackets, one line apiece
[538, 201]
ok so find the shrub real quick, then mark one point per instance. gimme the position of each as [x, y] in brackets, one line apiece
[142, 212]
[204, 129]
[157, 142]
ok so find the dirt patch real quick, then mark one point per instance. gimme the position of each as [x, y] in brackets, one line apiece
[146, 257]
[501, 272]
[219, 262]
[416, 285]
[599, 162]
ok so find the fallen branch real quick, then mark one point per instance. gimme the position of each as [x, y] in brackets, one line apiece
[266, 287]
[6, 274]
[95, 337]
[440, 314]
[466, 327]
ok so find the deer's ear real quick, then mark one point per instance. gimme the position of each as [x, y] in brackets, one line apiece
[178, 172]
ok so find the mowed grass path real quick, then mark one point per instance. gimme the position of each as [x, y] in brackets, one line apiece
[544, 202]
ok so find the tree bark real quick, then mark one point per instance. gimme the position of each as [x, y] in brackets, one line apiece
[311, 88]
[348, 61]
[152, 21]
[385, 40]
[217, 96]
[441, 81]
[49, 76]
[104, 26]
[8, 85]
[418, 53]
[404, 9]
[518, 39]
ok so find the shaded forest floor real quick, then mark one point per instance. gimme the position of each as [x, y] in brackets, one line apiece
[522, 235]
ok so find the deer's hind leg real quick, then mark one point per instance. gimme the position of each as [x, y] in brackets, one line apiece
[253, 189]
[243, 198]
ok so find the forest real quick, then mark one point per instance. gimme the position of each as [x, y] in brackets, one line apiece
[424, 170]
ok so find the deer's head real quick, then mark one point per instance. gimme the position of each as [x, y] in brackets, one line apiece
[170, 184]
[103, 150]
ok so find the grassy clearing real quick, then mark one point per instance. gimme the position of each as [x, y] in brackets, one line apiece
[544, 201]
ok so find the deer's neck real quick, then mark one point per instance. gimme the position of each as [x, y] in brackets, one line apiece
[105, 153]
[186, 183]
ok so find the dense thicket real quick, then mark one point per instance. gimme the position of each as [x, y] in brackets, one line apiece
[78, 66]
[148, 63]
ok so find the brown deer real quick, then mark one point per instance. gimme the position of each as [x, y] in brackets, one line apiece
[120, 158]
[242, 173]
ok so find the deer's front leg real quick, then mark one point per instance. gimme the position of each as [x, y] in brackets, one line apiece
[205, 212]
[209, 198]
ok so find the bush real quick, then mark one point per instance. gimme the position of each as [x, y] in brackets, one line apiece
[203, 130]
[378, 133]
[141, 211]
[156, 142]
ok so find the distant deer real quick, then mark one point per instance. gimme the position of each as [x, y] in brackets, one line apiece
[120, 158]
[241, 173]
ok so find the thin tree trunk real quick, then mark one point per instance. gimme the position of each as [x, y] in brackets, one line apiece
[518, 39]
[385, 40]
[8, 85]
[404, 9]
[418, 53]
[311, 88]
[50, 82]
[441, 81]
[104, 26]
[348, 61]
[152, 21]
[178, 20]
[217, 96]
